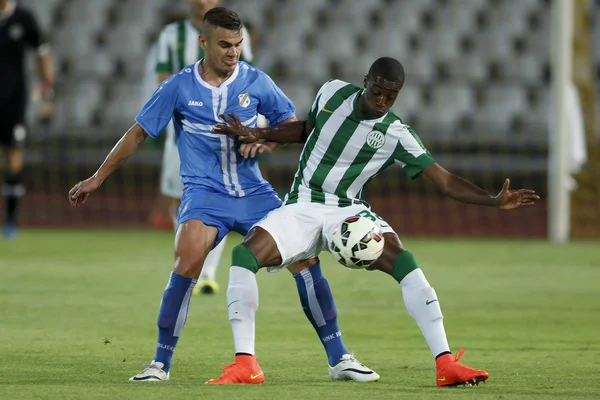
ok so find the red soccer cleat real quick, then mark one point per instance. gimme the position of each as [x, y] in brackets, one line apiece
[244, 369]
[449, 372]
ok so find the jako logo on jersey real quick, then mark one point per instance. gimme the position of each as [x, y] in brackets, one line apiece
[195, 103]
[244, 99]
[375, 139]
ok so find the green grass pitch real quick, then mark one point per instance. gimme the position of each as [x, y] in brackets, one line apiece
[78, 315]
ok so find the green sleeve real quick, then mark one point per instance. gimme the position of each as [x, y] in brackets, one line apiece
[411, 154]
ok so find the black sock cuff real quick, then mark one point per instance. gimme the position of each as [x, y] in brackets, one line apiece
[13, 185]
[443, 353]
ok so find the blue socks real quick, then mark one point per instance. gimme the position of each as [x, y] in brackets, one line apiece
[172, 316]
[319, 307]
[315, 297]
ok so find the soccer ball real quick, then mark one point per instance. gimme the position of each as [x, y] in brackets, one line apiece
[356, 243]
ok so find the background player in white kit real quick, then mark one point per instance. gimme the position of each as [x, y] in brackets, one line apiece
[177, 46]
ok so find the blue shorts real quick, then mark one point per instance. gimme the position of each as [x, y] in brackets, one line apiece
[226, 213]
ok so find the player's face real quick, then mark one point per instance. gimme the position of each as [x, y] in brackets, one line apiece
[222, 49]
[200, 7]
[378, 99]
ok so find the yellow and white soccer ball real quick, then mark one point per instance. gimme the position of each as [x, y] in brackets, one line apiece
[357, 242]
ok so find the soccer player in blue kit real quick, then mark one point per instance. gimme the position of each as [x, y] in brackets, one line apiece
[223, 192]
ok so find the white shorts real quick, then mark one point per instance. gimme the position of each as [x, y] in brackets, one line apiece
[301, 230]
[170, 178]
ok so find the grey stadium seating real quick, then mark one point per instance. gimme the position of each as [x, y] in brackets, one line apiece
[480, 61]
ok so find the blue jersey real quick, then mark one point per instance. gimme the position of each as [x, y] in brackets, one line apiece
[212, 160]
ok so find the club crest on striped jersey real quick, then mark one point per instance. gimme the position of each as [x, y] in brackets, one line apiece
[244, 99]
[375, 139]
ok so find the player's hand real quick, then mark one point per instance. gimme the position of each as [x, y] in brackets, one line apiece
[235, 127]
[80, 192]
[511, 199]
[46, 107]
[255, 149]
[46, 110]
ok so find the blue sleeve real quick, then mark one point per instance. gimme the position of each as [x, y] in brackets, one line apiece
[273, 103]
[158, 111]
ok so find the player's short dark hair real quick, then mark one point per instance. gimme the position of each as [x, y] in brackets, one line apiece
[387, 68]
[222, 17]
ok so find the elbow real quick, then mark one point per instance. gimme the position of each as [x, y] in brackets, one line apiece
[303, 138]
[140, 138]
[447, 185]
[444, 187]
[138, 133]
[305, 132]
[447, 192]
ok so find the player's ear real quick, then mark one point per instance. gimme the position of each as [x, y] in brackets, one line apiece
[202, 41]
[365, 82]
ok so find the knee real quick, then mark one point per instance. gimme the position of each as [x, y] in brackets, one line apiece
[300, 266]
[243, 257]
[263, 247]
[189, 265]
[392, 250]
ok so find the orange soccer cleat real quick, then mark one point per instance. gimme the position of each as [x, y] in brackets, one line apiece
[244, 369]
[452, 373]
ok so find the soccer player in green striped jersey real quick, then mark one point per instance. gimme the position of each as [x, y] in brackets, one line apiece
[350, 136]
[177, 47]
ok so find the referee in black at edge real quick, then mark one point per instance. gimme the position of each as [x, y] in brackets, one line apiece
[19, 31]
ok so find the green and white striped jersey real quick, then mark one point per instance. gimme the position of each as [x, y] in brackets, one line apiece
[178, 46]
[345, 151]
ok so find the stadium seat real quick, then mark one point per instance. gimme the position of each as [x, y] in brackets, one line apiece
[443, 43]
[254, 11]
[455, 16]
[409, 102]
[418, 67]
[128, 39]
[526, 69]
[356, 14]
[449, 103]
[123, 103]
[286, 42]
[501, 106]
[401, 18]
[302, 96]
[92, 11]
[83, 100]
[76, 48]
[309, 66]
[146, 17]
[467, 68]
[97, 63]
[43, 11]
[509, 18]
[337, 42]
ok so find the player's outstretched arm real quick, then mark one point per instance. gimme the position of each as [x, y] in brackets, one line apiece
[464, 191]
[251, 150]
[292, 132]
[124, 148]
